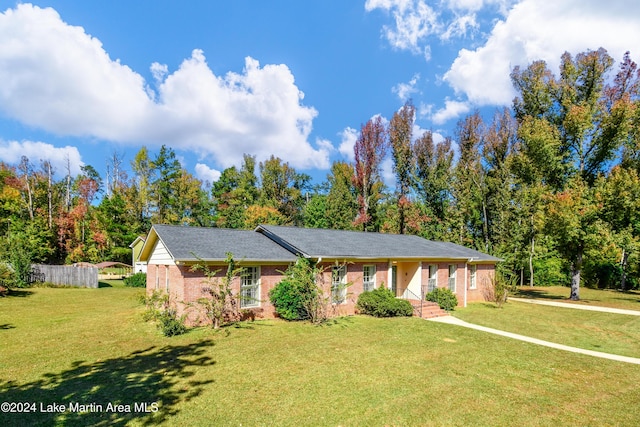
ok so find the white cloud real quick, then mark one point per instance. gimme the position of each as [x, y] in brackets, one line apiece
[207, 174]
[540, 29]
[37, 152]
[451, 110]
[349, 137]
[404, 90]
[56, 77]
[414, 22]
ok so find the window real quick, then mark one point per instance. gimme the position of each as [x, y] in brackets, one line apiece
[250, 287]
[472, 273]
[166, 277]
[339, 284]
[369, 277]
[433, 278]
[157, 277]
[452, 277]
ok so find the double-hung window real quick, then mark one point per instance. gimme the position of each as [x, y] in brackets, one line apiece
[339, 284]
[433, 278]
[369, 277]
[250, 287]
[452, 277]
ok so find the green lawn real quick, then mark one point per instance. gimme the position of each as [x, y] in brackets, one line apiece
[629, 300]
[91, 346]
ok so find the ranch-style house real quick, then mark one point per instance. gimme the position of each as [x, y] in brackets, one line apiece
[410, 266]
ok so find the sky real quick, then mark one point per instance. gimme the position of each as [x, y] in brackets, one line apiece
[82, 81]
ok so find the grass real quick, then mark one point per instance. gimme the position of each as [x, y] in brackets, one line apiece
[629, 300]
[91, 346]
[609, 333]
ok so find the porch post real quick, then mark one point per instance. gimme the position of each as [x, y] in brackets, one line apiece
[466, 264]
[389, 275]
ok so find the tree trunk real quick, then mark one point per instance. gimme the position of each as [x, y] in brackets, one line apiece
[623, 279]
[576, 268]
[533, 242]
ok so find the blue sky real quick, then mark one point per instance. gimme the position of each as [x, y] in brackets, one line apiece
[80, 81]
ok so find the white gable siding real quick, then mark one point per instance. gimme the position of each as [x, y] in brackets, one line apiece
[160, 255]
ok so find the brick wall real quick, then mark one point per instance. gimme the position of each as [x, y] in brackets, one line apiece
[186, 286]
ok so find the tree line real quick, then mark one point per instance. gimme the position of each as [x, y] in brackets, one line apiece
[550, 185]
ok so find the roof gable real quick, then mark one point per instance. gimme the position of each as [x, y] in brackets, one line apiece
[187, 244]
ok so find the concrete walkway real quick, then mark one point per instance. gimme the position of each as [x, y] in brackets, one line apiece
[577, 306]
[455, 321]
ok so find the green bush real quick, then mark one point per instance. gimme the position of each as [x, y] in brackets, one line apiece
[138, 280]
[297, 296]
[382, 303]
[170, 324]
[444, 297]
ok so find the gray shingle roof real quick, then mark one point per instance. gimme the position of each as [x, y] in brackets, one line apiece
[212, 244]
[324, 243]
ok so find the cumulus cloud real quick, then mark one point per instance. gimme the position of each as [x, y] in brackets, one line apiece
[537, 29]
[207, 174]
[56, 77]
[451, 110]
[414, 22]
[404, 90]
[348, 141]
[37, 152]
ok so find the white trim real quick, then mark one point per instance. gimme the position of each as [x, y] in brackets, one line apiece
[453, 277]
[253, 276]
[339, 285]
[372, 277]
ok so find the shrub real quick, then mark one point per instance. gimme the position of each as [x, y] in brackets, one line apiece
[444, 297]
[170, 324]
[498, 287]
[138, 280]
[298, 296]
[382, 303]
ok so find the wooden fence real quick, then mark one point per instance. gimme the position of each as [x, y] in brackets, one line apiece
[65, 275]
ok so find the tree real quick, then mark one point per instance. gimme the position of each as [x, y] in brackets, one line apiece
[369, 151]
[282, 188]
[400, 139]
[342, 206]
[233, 193]
[434, 171]
[571, 218]
[164, 191]
[578, 122]
[469, 187]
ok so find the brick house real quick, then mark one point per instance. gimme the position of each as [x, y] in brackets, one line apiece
[408, 265]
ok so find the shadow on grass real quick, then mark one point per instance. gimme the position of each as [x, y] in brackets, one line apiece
[154, 376]
[537, 293]
[20, 293]
[104, 285]
[6, 326]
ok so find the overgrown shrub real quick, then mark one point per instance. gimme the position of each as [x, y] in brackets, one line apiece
[444, 297]
[498, 287]
[170, 324]
[382, 303]
[138, 280]
[298, 296]
[219, 304]
[6, 276]
[158, 310]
